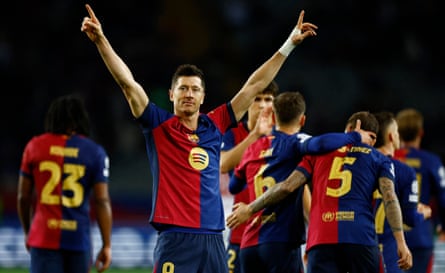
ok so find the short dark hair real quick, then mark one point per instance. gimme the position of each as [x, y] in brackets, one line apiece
[368, 121]
[385, 119]
[66, 115]
[186, 70]
[271, 89]
[289, 106]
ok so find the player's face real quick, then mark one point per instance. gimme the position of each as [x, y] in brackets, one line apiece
[187, 95]
[260, 102]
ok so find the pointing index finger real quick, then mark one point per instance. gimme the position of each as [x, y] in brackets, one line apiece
[300, 20]
[91, 12]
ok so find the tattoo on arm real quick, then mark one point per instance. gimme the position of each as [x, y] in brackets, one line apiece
[391, 203]
[279, 191]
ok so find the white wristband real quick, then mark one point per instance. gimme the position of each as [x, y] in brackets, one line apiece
[288, 45]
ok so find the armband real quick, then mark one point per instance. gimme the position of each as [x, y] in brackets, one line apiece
[288, 45]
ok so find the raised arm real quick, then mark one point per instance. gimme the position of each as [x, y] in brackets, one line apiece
[261, 77]
[230, 158]
[273, 195]
[263, 126]
[133, 91]
[394, 217]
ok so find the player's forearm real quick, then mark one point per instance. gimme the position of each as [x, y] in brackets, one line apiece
[330, 141]
[391, 203]
[133, 92]
[261, 77]
[399, 236]
[393, 214]
[307, 201]
[231, 158]
[24, 212]
[278, 192]
[104, 220]
[256, 83]
[264, 74]
[118, 69]
[24, 202]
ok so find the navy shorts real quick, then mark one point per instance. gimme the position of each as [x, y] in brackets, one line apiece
[342, 258]
[422, 260]
[180, 252]
[233, 260]
[390, 257]
[59, 261]
[271, 258]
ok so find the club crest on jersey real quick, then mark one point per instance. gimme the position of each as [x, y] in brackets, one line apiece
[198, 158]
[193, 138]
[328, 216]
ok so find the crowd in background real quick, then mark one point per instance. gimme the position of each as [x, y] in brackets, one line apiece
[363, 50]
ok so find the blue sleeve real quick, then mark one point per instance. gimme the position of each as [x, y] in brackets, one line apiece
[102, 166]
[228, 141]
[236, 184]
[411, 217]
[304, 172]
[152, 117]
[328, 142]
[438, 175]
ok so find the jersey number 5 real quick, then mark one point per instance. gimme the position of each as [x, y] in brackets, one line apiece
[345, 176]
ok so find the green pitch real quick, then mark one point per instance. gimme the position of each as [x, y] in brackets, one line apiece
[111, 270]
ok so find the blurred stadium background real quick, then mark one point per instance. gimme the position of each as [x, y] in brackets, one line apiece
[374, 56]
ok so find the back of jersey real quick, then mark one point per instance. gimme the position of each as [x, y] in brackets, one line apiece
[343, 185]
[430, 174]
[63, 170]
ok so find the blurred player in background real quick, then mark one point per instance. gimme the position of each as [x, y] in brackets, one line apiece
[272, 238]
[184, 152]
[405, 185]
[341, 234]
[431, 180]
[235, 142]
[63, 168]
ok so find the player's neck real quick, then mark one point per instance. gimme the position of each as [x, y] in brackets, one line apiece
[289, 129]
[387, 149]
[191, 122]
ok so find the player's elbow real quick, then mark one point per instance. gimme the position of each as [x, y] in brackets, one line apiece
[23, 200]
[102, 204]
[225, 164]
[223, 168]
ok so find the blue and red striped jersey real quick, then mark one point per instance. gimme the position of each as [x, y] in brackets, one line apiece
[431, 180]
[405, 185]
[270, 160]
[63, 171]
[232, 138]
[343, 182]
[185, 168]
